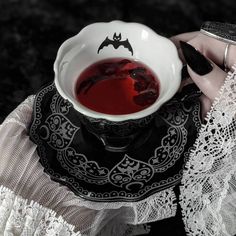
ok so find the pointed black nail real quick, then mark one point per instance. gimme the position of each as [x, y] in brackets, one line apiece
[184, 73]
[195, 59]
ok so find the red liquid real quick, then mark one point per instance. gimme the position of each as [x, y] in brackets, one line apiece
[117, 86]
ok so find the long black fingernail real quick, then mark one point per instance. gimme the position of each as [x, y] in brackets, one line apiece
[184, 73]
[195, 59]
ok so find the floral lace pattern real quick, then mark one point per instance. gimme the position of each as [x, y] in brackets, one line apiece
[211, 165]
[19, 217]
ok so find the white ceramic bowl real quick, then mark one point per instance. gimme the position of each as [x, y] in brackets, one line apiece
[82, 50]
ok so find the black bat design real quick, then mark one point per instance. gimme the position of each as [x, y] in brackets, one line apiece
[116, 43]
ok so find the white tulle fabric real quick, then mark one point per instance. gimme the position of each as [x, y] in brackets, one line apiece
[22, 175]
[208, 192]
[18, 216]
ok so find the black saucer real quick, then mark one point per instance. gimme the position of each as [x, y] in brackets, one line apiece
[74, 157]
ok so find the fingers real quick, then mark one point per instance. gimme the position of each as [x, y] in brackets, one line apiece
[205, 105]
[214, 49]
[203, 63]
[183, 37]
[232, 56]
[209, 83]
[205, 73]
[210, 47]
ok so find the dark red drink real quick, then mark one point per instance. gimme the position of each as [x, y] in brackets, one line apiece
[117, 86]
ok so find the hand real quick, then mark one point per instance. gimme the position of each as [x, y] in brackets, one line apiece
[205, 70]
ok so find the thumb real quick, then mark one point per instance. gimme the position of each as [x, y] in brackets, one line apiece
[209, 83]
[206, 74]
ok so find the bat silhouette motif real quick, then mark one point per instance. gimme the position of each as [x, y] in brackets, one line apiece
[116, 43]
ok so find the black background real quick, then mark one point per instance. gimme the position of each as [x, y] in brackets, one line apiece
[31, 32]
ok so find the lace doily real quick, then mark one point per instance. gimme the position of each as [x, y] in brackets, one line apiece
[18, 216]
[22, 173]
[73, 157]
[207, 194]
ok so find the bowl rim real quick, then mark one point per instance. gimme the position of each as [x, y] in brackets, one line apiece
[68, 45]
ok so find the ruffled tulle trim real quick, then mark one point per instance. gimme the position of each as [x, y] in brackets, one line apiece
[19, 216]
[212, 163]
[22, 173]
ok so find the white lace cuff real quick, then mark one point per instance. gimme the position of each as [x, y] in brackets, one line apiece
[18, 216]
[206, 190]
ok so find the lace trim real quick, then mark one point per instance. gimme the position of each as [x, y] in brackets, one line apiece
[211, 164]
[157, 207]
[20, 217]
[23, 217]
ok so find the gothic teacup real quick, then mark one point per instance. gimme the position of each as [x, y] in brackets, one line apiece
[117, 39]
